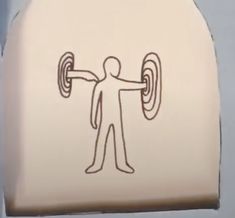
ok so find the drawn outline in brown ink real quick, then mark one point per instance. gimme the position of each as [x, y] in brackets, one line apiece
[155, 96]
[112, 86]
[66, 74]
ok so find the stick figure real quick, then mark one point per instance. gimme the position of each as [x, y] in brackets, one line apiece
[106, 101]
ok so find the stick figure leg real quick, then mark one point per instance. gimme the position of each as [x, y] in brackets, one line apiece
[100, 150]
[120, 150]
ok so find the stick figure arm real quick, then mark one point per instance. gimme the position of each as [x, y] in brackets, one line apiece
[131, 85]
[96, 100]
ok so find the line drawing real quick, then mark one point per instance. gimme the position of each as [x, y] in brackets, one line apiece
[106, 102]
[66, 74]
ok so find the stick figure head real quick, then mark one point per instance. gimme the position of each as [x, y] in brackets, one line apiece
[112, 66]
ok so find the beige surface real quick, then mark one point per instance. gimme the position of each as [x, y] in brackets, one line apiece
[49, 139]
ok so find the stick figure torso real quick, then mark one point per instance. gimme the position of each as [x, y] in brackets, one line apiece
[110, 94]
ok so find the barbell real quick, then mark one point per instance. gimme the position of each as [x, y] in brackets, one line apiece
[151, 74]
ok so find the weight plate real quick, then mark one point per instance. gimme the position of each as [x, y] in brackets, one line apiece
[66, 63]
[151, 73]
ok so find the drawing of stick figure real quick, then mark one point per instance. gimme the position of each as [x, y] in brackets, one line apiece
[106, 102]
[107, 98]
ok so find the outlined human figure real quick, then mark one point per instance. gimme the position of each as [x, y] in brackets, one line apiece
[106, 101]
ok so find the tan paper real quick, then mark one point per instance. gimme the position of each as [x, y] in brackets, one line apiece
[110, 106]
